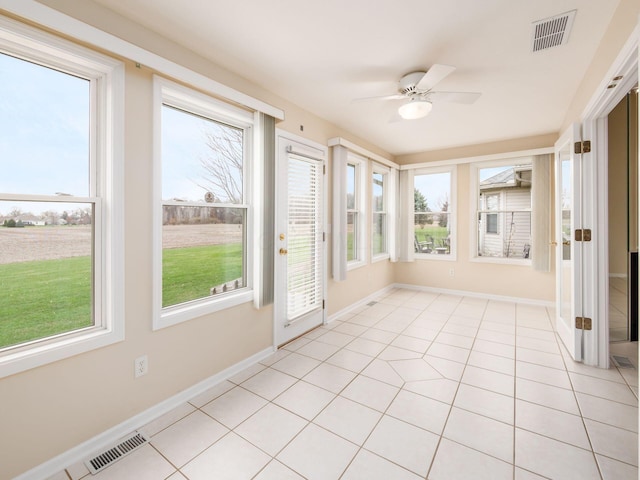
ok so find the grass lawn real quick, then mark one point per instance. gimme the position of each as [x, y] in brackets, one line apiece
[47, 297]
[43, 298]
[188, 273]
[434, 231]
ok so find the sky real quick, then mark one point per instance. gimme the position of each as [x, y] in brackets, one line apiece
[44, 138]
[44, 131]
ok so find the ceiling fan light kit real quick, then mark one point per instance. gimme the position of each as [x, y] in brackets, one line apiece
[418, 87]
[415, 108]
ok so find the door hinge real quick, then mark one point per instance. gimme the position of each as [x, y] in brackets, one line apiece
[323, 304]
[582, 147]
[583, 235]
[583, 323]
[324, 169]
[324, 236]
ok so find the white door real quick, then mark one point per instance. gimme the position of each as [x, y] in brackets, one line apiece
[300, 238]
[568, 201]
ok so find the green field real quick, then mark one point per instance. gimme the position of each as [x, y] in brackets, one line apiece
[429, 232]
[47, 297]
[188, 273]
[43, 298]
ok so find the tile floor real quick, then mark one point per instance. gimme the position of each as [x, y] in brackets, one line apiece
[415, 386]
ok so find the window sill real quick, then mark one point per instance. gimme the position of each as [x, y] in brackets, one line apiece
[434, 256]
[182, 313]
[526, 262]
[380, 258]
[355, 264]
[48, 351]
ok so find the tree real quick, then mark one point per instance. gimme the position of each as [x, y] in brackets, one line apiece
[443, 205]
[420, 205]
[222, 166]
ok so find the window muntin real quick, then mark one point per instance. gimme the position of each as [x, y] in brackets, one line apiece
[503, 226]
[61, 142]
[202, 257]
[379, 233]
[433, 213]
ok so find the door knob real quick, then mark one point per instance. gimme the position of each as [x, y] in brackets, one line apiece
[283, 251]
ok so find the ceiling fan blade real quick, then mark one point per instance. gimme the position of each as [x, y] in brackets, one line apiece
[396, 96]
[466, 98]
[435, 75]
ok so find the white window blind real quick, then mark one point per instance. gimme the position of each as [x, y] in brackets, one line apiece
[305, 236]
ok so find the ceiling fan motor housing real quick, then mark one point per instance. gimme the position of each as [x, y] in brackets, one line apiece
[407, 84]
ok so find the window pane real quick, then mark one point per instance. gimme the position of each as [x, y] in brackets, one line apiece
[203, 252]
[378, 192]
[351, 186]
[505, 190]
[379, 233]
[432, 232]
[352, 235]
[200, 156]
[45, 270]
[44, 130]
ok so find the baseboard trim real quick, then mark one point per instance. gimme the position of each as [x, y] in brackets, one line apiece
[108, 437]
[464, 293]
[359, 303]
[617, 275]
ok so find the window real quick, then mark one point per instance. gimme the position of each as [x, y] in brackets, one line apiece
[202, 168]
[379, 207]
[433, 225]
[355, 210]
[503, 193]
[60, 236]
[491, 203]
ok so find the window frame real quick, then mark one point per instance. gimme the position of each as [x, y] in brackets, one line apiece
[452, 221]
[106, 186]
[385, 172]
[474, 192]
[360, 207]
[191, 101]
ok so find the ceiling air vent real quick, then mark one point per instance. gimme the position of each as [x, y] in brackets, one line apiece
[116, 452]
[552, 32]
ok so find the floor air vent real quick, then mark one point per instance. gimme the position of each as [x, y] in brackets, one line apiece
[621, 362]
[552, 32]
[113, 454]
[371, 304]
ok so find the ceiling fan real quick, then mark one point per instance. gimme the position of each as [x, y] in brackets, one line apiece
[417, 87]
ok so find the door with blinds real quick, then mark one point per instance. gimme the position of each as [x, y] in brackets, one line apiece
[300, 238]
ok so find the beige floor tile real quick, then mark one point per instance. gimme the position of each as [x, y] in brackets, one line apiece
[553, 459]
[457, 462]
[480, 433]
[318, 454]
[232, 458]
[348, 419]
[370, 466]
[405, 445]
[188, 437]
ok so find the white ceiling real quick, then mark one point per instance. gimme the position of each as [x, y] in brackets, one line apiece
[321, 55]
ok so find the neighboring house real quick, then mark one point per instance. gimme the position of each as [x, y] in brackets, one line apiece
[30, 220]
[507, 232]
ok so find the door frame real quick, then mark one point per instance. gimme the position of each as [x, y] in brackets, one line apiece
[594, 128]
[319, 151]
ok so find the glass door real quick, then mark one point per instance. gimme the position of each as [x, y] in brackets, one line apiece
[568, 251]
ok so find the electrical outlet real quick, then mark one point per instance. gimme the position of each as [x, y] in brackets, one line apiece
[452, 272]
[140, 366]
